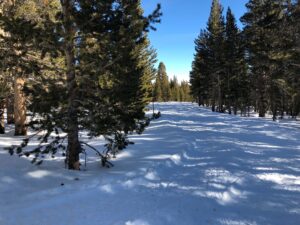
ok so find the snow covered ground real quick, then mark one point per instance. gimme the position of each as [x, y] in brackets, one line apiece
[190, 167]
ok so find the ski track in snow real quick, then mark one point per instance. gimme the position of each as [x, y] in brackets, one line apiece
[190, 167]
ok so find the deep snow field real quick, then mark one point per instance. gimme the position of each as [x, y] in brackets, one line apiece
[190, 167]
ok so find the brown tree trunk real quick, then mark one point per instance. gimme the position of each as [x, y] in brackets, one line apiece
[74, 147]
[261, 107]
[220, 100]
[262, 94]
[10, 109]
[282, 107]
[2, 122]
[229, 99]
[213, 103]
[235, 107]
[20, 107]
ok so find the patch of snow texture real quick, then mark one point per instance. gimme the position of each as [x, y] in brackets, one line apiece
[39, 174]
[136, 222]
[190, 167]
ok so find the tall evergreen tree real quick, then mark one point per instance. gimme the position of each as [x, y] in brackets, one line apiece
[216, 31]
[91, 51]
[293, 80]
[4, 88]
[157, 92]
[184, 90]
[208, 70]
[2, 92]
[200, 79]
[256, 67]
[165, 86]
[5, 84]
[175, 89]
[236, 80]
[162, 91]
[267, 50]
[10, 107]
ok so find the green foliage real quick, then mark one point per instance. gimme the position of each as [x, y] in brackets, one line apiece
[268, 50]
[162, 91]
[236, 88]
[157, 91]
[175, 89]
[165, 90]
[200, 78]
[233, 69]
[90, 66]
[208, 70]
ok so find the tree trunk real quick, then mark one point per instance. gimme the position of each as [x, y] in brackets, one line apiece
[10, 109]
[2, 122]
[261, 86]
[200, 100]
[213, 103]
[261, 112]
[282, 107]
[261, 106]
[74, 147]
[229, 99]
[235, 107]
[20, 108]
[220, 103]
[274, 114]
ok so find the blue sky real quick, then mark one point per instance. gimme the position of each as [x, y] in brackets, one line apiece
[181, 24]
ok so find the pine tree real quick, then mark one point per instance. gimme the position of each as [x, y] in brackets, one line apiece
[184, 91]
[255, 41]
[293, 80]
[216, 29]
[90, 52]
[164, 79]
[20, 107]
[200, 79]
[175, 88]
[235, 88]
[132, 71]
[162, 91]
[255, 67]
[20, 110]
[4, 88]
[3, 92]
[157, 92]
[208, 70]
[6, 96]
[10, 109]
[267, 48]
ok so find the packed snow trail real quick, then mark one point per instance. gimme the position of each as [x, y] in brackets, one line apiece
[190, 167]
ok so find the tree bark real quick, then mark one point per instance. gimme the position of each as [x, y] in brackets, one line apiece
[2, 122]
[282, 107]
[220, 96]
[262, 94]
[10, 109]
[20, 107]
[74, 147]
[235, 108]
[213, 103]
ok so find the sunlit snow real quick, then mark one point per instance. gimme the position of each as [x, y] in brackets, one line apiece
[190, 167]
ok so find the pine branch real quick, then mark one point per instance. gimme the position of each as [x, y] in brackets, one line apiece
[104, 159]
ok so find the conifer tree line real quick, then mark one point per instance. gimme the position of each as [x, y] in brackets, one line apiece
[258, 66]
[74, 65]
[165, 89]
